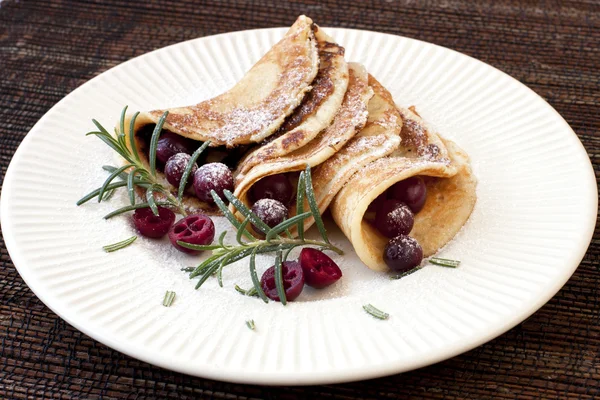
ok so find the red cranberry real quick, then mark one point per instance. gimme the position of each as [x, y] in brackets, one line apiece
[394, 218]
[153, 226]
[194, 229]
[293, 281]
[175, 167]
[212, 176]
[170, 144]
[411, 191]
[276, 187]
[270, 211]
[319, 270]
[403, 253]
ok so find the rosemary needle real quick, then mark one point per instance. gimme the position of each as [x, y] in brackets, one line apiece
[108, 194]
[250, 324]
[169, 297]
[444, 262]
[377, 313]
[250, 292]
[402, 275]
[109, 248]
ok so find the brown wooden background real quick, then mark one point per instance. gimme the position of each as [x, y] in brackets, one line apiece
[48, 48]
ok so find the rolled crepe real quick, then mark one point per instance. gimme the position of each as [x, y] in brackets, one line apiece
[349, 120]
[450, 192]
[259, 103]
[379, 138]
[254, 108]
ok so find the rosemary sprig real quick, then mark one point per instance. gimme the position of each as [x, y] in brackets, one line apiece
[312, 203]
[254, 276]
[279, 279]
[402, 275]
[300, 204]
[154, 142]
[112, 176]
[250, 292]
[169, 298]
[132, 208]
[444, 262]
[377, 313]
[135, 173]
[274, 241]
[109, 248]
[250, 324]
[189, 168]
[229, 215]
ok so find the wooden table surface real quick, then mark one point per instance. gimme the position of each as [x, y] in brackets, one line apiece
[48, 48]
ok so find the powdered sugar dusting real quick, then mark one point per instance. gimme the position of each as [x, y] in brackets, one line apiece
[270, 209]
[213, 173]
[364, 142]
[419, 140]
[399, 214]
[178, 162]
[404, 241]
[249, 120]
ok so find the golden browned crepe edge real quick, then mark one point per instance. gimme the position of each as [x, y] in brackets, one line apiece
[316, 112]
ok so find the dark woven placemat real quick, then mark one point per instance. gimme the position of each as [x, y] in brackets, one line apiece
[48, 48]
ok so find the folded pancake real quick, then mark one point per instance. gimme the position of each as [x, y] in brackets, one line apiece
[317, 110]
[249, 112]
[259, 103]
[349, 120]
[450, 192]
[379, 138]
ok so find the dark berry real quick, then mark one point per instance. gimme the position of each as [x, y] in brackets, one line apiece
[170, 144]
[293, 281]
[175, 167]
[153, 226]
[194, 229]
[374, 206]
[319, 270]
[212, 176]
[411, 191]
[270, 211]
[402, 253]
[394, 218]
[276, 187]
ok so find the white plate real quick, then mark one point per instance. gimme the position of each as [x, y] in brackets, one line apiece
[536, 211]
